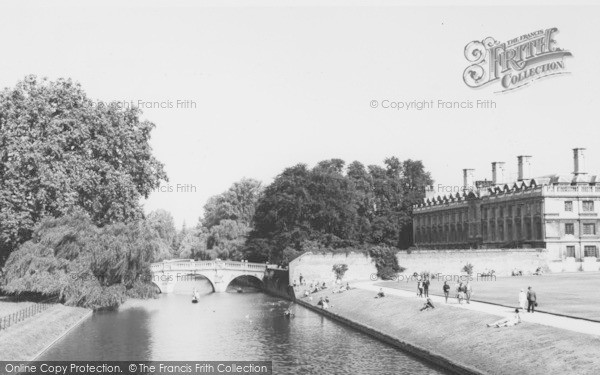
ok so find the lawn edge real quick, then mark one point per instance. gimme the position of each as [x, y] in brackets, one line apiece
[428, 356]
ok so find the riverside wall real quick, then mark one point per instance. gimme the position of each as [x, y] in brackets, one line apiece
[277, 283]
[318, 267]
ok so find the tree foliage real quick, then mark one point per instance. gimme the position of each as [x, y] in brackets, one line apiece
[339, 270]
[337, 207]
[59, 149]
[162, 222]
[82, 264]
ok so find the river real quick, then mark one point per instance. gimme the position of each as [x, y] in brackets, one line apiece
[232, 326]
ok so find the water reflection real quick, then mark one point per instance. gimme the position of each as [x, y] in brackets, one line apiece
[231, 326]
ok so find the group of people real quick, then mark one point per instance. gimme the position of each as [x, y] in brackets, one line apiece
[463, 291]
[528, 298]
[323, 302]
[423, 287]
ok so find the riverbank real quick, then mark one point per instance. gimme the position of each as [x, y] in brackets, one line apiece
[458, 339]
[563, 294]
[25, 340]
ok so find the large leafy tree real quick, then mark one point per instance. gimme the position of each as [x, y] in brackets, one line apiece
[59, 149]
[83, 265]
[336, 207]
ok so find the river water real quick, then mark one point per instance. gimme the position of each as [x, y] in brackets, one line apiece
[231, 326]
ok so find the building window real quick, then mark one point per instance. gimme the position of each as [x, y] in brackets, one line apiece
[569, 228]
[590, 251]
[588, 206]
[568, 205]
[589, 228]
[570, 251]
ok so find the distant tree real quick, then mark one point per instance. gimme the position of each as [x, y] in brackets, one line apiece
[59, 149]
[193, 245]
[224, 227]
[227, 239]
[238, 203]
[162, 222]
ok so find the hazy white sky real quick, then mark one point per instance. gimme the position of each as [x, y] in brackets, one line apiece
[281, 83]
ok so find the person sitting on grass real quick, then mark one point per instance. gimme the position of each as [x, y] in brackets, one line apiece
[428, 305]
[508, 321]
[380, 294]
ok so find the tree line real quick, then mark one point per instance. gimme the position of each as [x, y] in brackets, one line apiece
[329, 207]
[72, 175]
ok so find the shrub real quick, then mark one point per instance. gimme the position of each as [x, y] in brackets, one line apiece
[339, 270]
[385, 262]
[468, 268]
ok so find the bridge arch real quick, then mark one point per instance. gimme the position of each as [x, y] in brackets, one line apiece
[172, 275]
[186, 283]
[248, 280]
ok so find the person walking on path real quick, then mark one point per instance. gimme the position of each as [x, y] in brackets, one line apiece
[469, 291]
[531, 299]
[460, 294]
[446, 289]
[420, 289]
[522, 299]
[426, 287]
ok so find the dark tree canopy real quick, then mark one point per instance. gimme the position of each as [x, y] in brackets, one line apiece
[337, 207]
[59, 149]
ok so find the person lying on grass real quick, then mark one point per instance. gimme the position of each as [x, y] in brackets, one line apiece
[428, 305]
[380, 294]
[508, 321]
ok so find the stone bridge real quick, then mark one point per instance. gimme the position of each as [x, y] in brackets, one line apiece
[219, 273]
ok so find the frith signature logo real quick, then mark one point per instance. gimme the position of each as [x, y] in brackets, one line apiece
[515, 63]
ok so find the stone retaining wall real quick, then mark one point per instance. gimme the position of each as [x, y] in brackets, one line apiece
[318, 267]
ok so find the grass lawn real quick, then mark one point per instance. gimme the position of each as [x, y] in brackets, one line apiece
[8, 306]
[462, 335]
[574, 294]
[24, 340]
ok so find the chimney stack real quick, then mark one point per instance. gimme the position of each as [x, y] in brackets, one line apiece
[498, 172]
[524, 167]
[579, 161]
[468, 179]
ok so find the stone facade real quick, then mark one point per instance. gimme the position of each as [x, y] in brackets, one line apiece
[554, 212]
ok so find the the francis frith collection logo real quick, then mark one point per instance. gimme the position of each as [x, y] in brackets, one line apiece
[514, 63]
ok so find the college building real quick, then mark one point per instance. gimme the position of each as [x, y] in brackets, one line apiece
[555, 212]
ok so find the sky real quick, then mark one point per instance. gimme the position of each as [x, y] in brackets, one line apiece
[265, 85]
